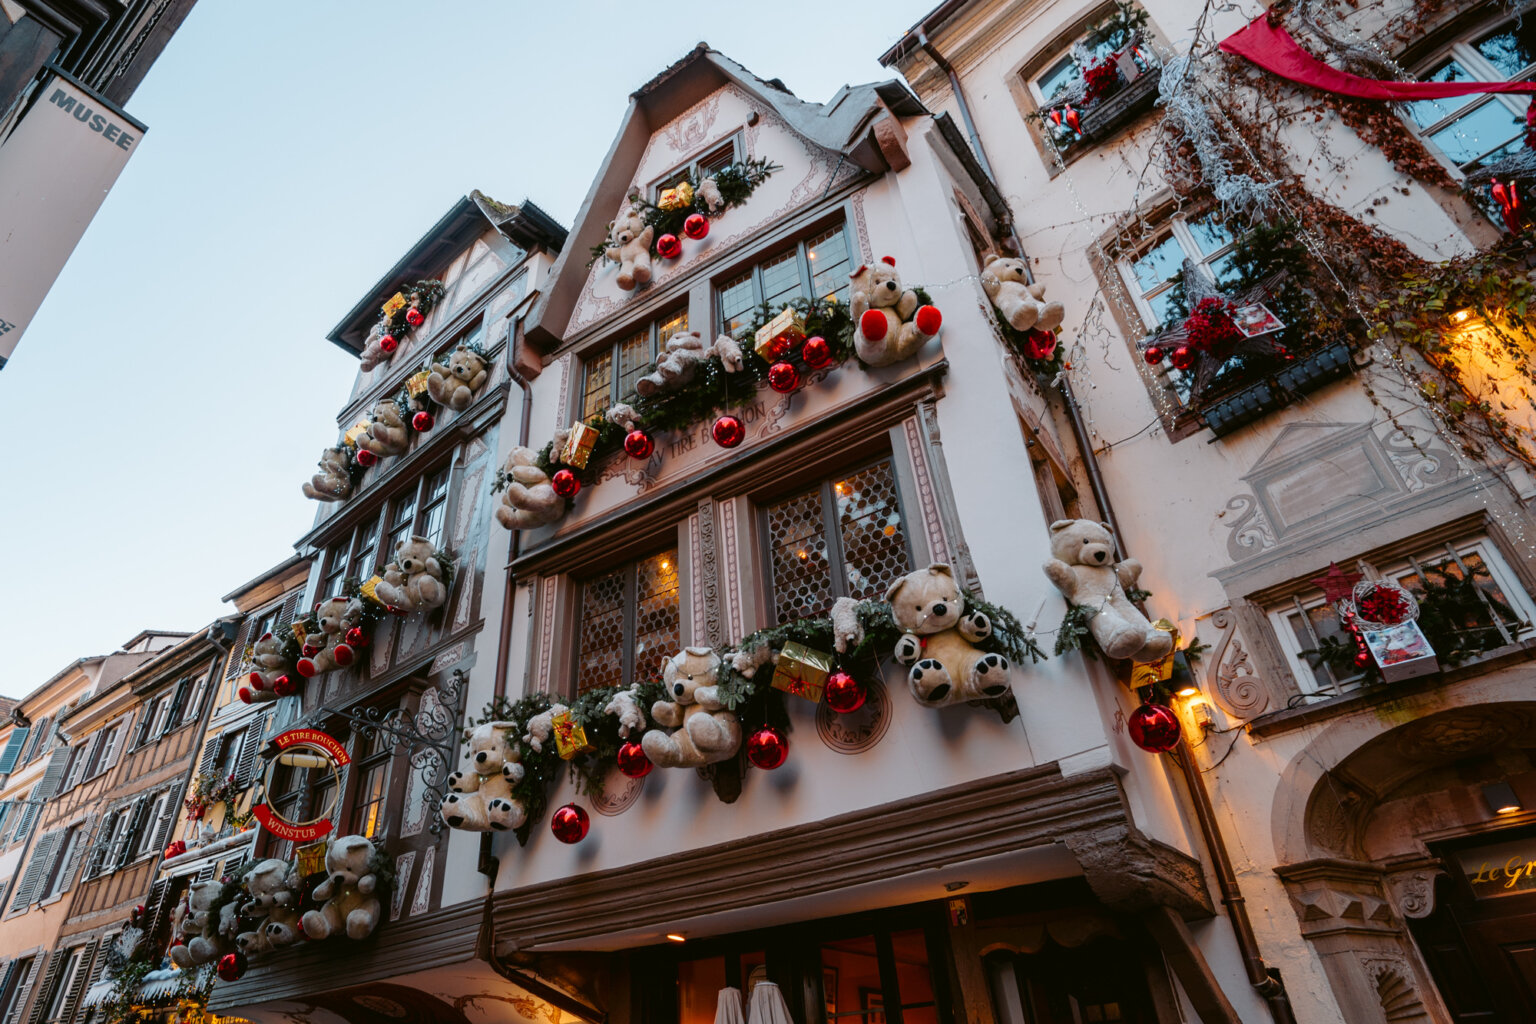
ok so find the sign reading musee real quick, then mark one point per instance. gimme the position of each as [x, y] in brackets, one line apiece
[56, 168]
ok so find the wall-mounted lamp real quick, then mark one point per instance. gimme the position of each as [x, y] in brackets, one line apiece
[676, 937]
[1502, 799]
[1460, 317]
[1189, 689]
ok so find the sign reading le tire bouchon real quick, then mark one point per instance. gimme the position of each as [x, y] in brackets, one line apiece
[302, 750]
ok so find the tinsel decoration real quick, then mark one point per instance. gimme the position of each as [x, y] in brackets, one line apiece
[1189, 121]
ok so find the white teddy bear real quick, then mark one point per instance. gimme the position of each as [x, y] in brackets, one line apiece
[351, 904]
[1085, 572]
[703, 731]
[530, 500]
[541, 727]
[334, 481]
[939, 639]
[272, 907]
[685, 350]
[481, 799]
[629, 245]
[889, 326]
[625, 706]
[1023, 305]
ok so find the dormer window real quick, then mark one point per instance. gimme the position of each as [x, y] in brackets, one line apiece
[711, 161]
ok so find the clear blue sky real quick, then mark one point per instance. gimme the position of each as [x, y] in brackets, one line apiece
[179, 368]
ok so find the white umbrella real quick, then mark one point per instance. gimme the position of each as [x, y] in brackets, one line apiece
[767, 1005]
[728, 1008]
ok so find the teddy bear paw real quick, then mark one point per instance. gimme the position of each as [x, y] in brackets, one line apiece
[873, 325]
[907, 649]
[500, 814]
[975, 626]
[930, 680]
[456, 782]
[928, 320]
[992, 675]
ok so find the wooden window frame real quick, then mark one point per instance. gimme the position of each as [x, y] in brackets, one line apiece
[754, 270]
[1463, 50]
[58, 874]
[631, 570]
[362, 764]
[710, 158]
[354, 560]
[612, 349]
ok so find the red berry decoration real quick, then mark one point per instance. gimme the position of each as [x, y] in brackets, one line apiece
[728, 432]
[638, 444]
[284, 686]
[413, 317]
[817, 353]
[668, 247]
[388, 343]
[565, 483]
[696, 226]
[1210, 328]
[343, 654]
[1183, 357]
[366, 458]
[356, 637]
[1154, 728]
[423, 421]
[633, 762]
[1153, 354]
[767, 748]
[843, 693]
[783, 377]
[928, 320]
[569, 824]
[232, 966]
[306, 667]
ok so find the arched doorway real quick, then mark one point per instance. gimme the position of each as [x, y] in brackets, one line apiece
[1378, 832]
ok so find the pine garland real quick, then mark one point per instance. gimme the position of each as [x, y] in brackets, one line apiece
[736, 184]
[423, 295]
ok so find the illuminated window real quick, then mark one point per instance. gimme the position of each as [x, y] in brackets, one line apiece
[815, 267]
[369, 799]
[845, 537]
[629, 623]
[611, 371]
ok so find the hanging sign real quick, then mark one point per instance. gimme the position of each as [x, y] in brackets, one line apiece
[303, 750]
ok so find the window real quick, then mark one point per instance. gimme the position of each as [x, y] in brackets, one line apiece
[18, 981]
[1497, 613]
[26, 819]
[196, 686]
[713, 161]
[64, 864]
[105, 754]
[109, 837]
[372, 772]
[609, 373]
[62, 997]
[355, 556]
[1475, 130]
[152, 726]
[13, 748]
[79, 755]
[420, 511]
[629, 623]
[842, 538]
[147, 832]
[817, 267]
[859, 974]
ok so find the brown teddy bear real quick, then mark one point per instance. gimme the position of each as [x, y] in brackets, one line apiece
[1086, 573]
[350, 892]
[336, 615]
[414, 580]
[888, 324]
[334, 481]
[629, 245]
[703, 732]
[530, 500]
[268, 666]
[939, 638]
[387, 433]
[1022, 304]
[454, 382]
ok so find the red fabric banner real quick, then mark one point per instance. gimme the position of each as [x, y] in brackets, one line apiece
[1272, 48]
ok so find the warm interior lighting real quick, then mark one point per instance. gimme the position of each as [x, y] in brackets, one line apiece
[1461, 316]
[676, 937]
[1502, 799]
[665, 565]
[1188, 690]
[802, 554]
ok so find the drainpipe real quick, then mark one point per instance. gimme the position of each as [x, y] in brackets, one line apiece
[1268, 985]
[507, 599]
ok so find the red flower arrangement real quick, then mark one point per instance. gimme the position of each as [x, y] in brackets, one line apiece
[1101, 80]
[1210, 328]
[1383, 603]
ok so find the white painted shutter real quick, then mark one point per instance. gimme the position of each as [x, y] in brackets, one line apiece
[164, 825]
[250, 745]
[23, 989]
[100, 966]
[33, 877]
[82, 760]
[210, 759]
[45, 988]
[117, 732]
[236, 663]
[198, 693]
[52, 775]
[24, 824]
[82, 843]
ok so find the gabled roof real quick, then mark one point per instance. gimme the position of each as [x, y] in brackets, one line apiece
[524, 226]
[843, 125]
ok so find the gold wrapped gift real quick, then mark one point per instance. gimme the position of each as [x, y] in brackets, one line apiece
[779, 335]
[299, 632]
[356, 431]
[311, 859]
[416, 383]
[1159, 671]
[367, 589]
[570, 737]
[394, 305]
[579, 445]
[678, 198]
[802, 671]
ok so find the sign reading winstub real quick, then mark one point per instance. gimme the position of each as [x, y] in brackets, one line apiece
[56, 168]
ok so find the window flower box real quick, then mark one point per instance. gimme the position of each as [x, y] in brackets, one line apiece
[1121, 107]
[1308, 373]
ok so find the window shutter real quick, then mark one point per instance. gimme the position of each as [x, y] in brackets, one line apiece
[77, 983]
[78, 853]
[37, 869]
[158, 912]
[45, 989]
[86, 751]
[290, 608]
[250, 744]
[39, 739]
[52, 775]
[198, 693]
[13, 749]
[7, 977]
[122, 851]
[205, 872]
[210, 759]
[5, 819]
[236, 663]
[100, 844]
[24, 989]
[163, 826]
[99, 968]
[178, 701]
[24, 825]
[118, 732]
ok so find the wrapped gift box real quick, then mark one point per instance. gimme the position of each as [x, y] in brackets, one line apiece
[395, 304]
[1401, 651]
[780, 335]
[579, 445]
[570, 737]
[802, 671]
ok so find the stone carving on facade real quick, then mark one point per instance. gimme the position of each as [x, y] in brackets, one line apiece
[733, 578]
[1412, 890]
[857, 732]
[1249, 531]
[706, 563]
[929, 452]
[619, 793]
[1231, 677]
[1418, 465]
[423, 895]
[1471, 729]
[1391, 977]
[403, 865]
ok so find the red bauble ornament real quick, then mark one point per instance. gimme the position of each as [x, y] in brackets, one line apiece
[366, 458]
[569, 824]
[284, 686]
[767, 748]
[1183, 357]
[1153, 354]
[565, 483]
[356, 637]
[388, 343]
[1074, 121]
[232, 966]
[306, 667]
[1040, 345]
[423, 421]
[696, 226]
[783, 377]
[843, 693]
[633, 762]
[668, 247]
[728, 432]
[638, 444]
[817, 353]
[1154, 728]
[343, 654]
[413, 317]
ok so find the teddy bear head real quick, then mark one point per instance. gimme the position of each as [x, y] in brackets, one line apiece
[332, 614]
[268, 884]
[463, 363]
[927, 601]
[200, 895]
[628, 227]
[999, 269]
[347, 860]
[491, 748]
[334, 460]
[879, 281]
[388, 413]
[688, 670]
[412, 553]
[267, 647]
[1082, 542]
